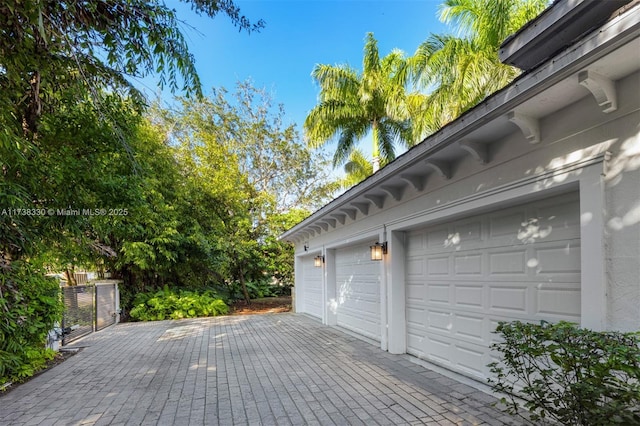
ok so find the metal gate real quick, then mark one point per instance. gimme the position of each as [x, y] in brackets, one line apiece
[89, 308]
[79, 311]
[106, 307]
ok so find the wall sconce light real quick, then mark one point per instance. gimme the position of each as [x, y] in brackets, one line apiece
[306, 247]
[318, 261]
[377, 250]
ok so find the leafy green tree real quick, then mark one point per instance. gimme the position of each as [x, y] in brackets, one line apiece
[54, 54]
[243, 170]
[459, 70]
[277, 165]
[352, 105]
[47, 45]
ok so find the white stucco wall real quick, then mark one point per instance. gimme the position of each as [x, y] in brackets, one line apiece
[622, 217]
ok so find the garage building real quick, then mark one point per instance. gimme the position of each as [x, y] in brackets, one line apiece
[525, 208]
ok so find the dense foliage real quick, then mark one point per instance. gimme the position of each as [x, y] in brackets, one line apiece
[177, 304]
[50, 45]
[570, 375]
[29, 306]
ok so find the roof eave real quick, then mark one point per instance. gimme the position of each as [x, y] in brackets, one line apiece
[556, 28]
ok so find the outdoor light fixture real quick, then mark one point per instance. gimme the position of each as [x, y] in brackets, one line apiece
[377, 250]
[306, 247]
[318, 261]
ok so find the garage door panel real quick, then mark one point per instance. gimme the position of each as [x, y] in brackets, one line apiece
[415, 292]
[438, 348]
[458, 326]
[469, 295]
[468, 265]
[509, 299]
[354, 320]
[465, 357]
[560, 301]
[468, 232]
[469, 358]
[557, 260]
[439, 293]
[518, 263]
[502, 225]
[364, 289]
[471, 327]
[438, 266]
[366, 307]
[439, 321]
[507, 262]
[415, 267]
[416, 316]
[416, 343]
[358, 282]
[559, 214]
[312, 288]
[416, 243]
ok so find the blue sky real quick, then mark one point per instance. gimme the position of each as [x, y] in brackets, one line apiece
[298, 35]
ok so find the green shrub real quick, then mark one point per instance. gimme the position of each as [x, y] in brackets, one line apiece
[571, 375]
[30, 305]
[172, 304]
[257, 290]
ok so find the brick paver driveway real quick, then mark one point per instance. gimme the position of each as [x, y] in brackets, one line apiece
[281, 369]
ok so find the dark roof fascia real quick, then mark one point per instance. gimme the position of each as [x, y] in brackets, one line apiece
[556, 28]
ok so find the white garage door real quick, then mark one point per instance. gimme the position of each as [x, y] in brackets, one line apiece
[358, 291]
[311, 288]
[465, 276]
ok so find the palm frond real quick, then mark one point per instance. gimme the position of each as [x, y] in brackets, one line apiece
[357, 169]
[371, 57]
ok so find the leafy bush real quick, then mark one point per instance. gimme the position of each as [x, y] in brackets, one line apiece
[30, 305]
[572, 375]
[257, 290]
[172, 304]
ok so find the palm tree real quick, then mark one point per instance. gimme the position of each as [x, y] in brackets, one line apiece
[459, 71]
[357, 168]
[352, 105]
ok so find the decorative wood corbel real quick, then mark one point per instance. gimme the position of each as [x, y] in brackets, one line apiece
[602, 88]
[529, 126]
[340, 217]
[378, 200]
[351, 213]
[395, 191]
[363, 207]
[417, 181]
[478, 151]
[440, 167]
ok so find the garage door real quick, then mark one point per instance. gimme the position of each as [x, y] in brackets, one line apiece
[463, 277]
[311, 288]
[358, 291]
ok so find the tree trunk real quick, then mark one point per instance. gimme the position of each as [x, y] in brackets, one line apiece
[244, 287]
[375, 162]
